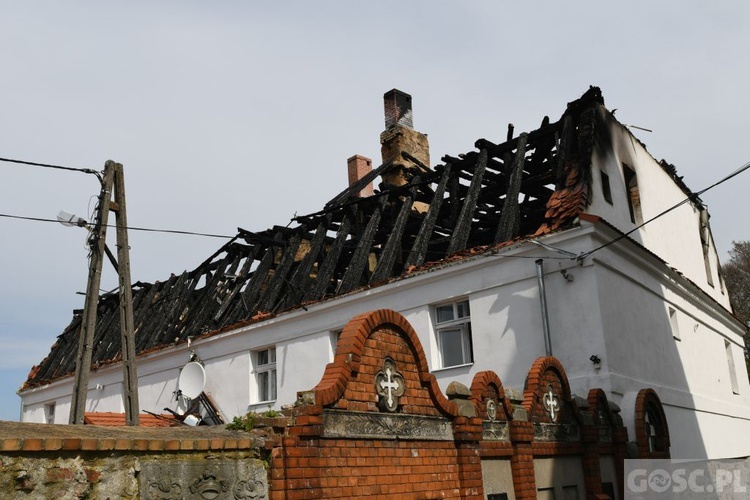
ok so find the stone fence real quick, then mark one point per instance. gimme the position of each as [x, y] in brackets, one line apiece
[42, 461]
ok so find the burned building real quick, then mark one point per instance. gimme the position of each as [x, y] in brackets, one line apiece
[528, 245]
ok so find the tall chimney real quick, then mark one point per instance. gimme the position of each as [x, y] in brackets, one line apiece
[397, 109]
[400, 137]
[359, 166]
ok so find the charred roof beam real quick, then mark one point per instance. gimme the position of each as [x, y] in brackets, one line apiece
[509, 223]
[462, 228]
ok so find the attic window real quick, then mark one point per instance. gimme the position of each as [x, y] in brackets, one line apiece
[674, 323]
[606, 191]
[705, 233]
[732, 370]
[633, 195]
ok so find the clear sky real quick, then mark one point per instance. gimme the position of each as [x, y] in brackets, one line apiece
[239, 114]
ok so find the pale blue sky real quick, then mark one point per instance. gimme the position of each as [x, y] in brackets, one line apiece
[230, 114]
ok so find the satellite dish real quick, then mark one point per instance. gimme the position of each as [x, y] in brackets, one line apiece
[192, 380]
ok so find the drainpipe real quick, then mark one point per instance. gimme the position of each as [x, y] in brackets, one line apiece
[543, 302]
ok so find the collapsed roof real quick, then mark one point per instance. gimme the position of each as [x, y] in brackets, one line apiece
[529, 184]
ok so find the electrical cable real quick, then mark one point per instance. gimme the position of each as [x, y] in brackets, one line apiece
[693, 196]
[583, 255]
[48, 165]
[130, 228]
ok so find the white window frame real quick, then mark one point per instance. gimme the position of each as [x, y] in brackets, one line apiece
[49, 412]
[460, 320]
[264, 368]
[730, 365]
[674, 322]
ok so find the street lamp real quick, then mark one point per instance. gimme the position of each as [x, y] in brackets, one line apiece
[70, 220]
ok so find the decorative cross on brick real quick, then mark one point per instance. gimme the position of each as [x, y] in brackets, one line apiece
[389, 385]
[491, 408]
[551, 404]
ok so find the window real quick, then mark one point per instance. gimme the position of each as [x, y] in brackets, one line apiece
[606, 191]
[705, 232]
[453, 332]
[265, 374]
[633, 194]
[732, 371]
[49, 413]
[651, 429]
[674, 323]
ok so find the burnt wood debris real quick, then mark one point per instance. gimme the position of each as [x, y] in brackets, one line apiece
[530, 184]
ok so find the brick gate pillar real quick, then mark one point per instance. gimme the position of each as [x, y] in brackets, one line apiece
[522, 462]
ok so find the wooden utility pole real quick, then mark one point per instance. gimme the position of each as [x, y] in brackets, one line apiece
[127, 343]
[113, 181]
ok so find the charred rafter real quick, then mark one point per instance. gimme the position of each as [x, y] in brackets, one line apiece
[524, 185]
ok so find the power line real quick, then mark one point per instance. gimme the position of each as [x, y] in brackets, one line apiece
[48, 165]
[175, 231]
[192, 233]
[222, 236]
[693, 196]
[130, 228]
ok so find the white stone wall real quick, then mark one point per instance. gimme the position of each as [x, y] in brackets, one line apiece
[674, 237]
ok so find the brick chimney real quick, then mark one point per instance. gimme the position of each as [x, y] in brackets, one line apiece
[398, 137]
[358, 167]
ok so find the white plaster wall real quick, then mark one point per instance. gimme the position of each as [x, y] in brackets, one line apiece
[300, 365]
[640, 341]
[674, 237]
[575, 325]
[722, 437]
[691, 374]
[35, 413]
[506, 322]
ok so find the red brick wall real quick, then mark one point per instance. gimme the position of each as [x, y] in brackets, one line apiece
[358, 468]
[308, 465]
[548, 372]
[359, 394]
[311, 463]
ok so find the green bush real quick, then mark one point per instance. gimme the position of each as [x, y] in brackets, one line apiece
[250, 420]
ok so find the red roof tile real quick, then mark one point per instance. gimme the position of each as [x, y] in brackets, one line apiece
[110, 419]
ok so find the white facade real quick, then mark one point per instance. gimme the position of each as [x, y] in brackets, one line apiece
[653, 324]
